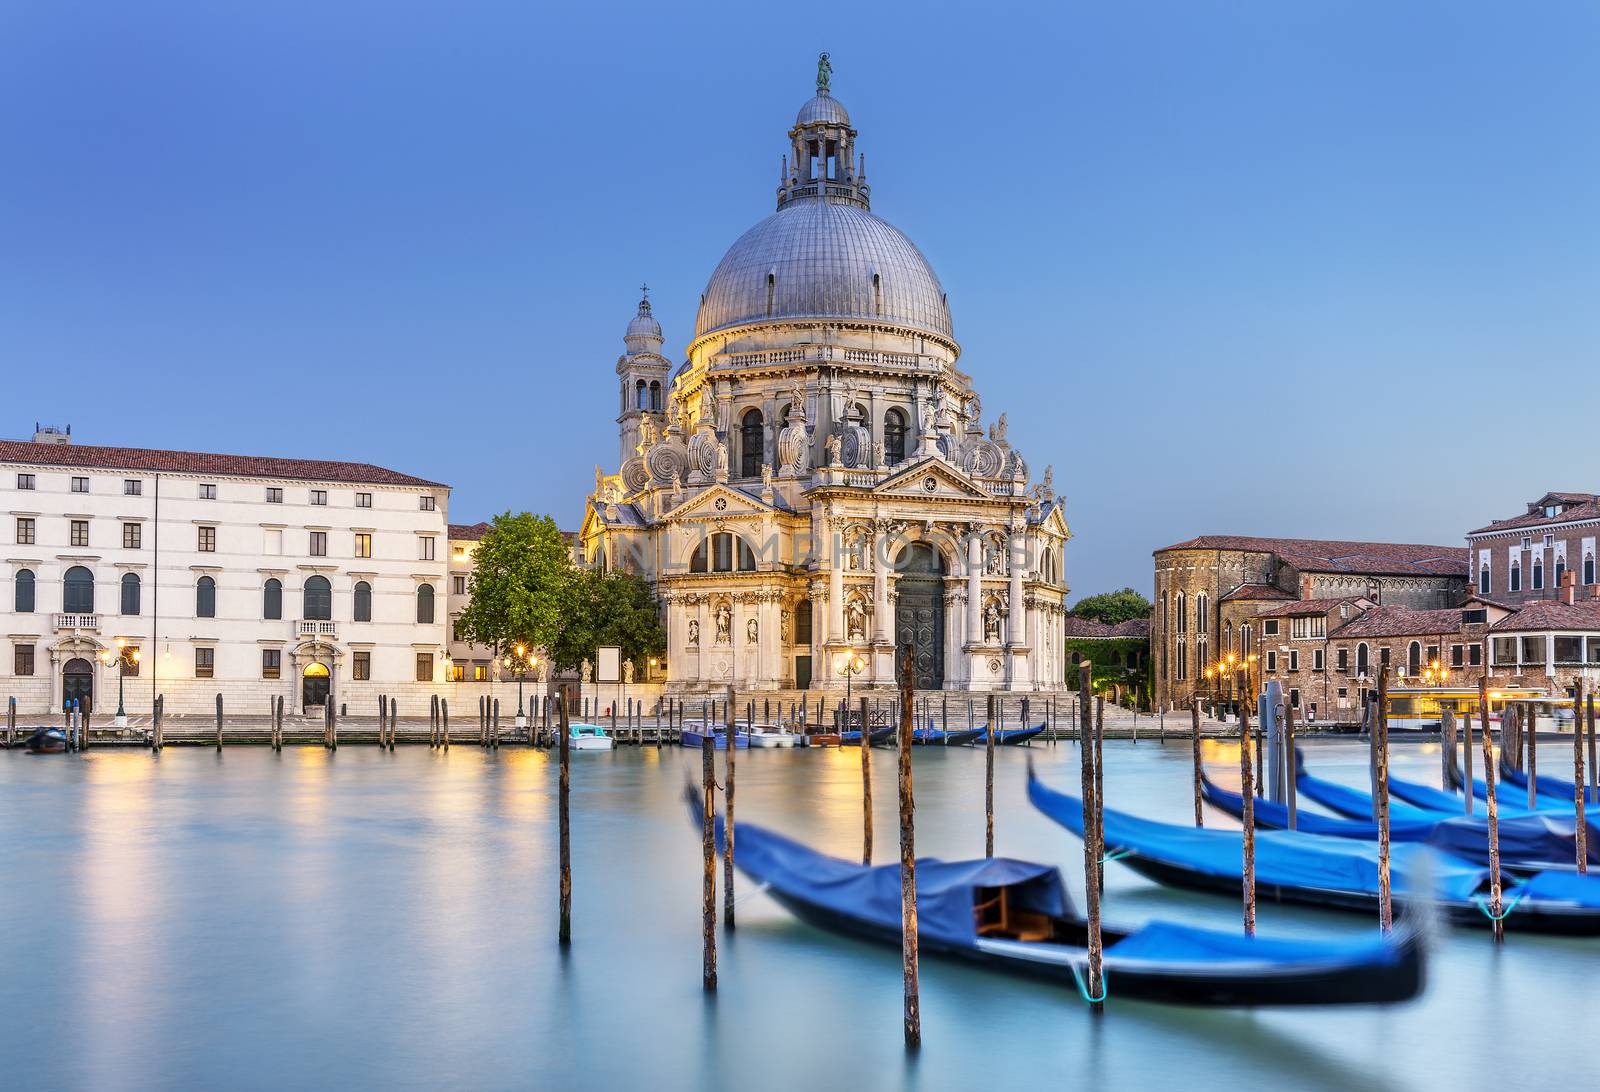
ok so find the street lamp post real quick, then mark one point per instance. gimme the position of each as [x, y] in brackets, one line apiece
[522, 662]
[853, 665]
[122, 658]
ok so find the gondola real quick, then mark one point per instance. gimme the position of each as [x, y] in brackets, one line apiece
[1010, 737]
[1527, 843]
[1416, 801]
[1015, 916]
[940, 737]
[46, 741]
[1552, 791]
[852, 738]
[695, 732]
[1332, 873]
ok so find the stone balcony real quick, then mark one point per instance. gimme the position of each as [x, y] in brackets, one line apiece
[308, 628]
[77, 623]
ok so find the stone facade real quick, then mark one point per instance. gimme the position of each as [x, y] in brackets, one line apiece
[817, 488]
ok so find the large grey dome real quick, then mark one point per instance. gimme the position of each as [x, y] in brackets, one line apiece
[823, 259]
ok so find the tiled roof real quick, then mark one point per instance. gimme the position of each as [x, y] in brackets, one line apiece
[1584, 506]
[1311, 606]
[1255, 591]
[469, 532]
[1401, 622]
[196, 462]
[1326, 556]
[1082, 628]
[1553, 614]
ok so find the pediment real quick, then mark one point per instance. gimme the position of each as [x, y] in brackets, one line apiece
[932, 478]
[719, 501]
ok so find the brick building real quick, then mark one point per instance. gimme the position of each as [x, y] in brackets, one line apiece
[1210, 592]
[1522, 559]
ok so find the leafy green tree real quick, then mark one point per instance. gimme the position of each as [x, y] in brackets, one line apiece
[607, 609]
[521, 570]
[1113, 607]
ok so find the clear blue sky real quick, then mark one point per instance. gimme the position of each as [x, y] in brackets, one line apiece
[1320, 269]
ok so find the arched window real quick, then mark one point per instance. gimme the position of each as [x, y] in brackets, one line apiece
[272, 599]
[130, 593]
[1227, 637]
[641, 395]
[316, 600]
[750, 453]
[205, 598]
[894, 437]
[363, 602]
[1244, 638]
[78, 593]
[1363, 659]
[721, 553]
[1200, 618]
[1183, 617]
[25, 587]
[1538, 573]
[1516, 576]
[1561, 570]
[424, 604]
[1414, 659]
[1483, 580]
[655, 396]
[1588, 568]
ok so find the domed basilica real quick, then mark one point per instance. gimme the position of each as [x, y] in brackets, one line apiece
[813, 487]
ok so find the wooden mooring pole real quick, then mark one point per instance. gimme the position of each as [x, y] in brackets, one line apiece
[11, 722]
[908, 861]
[866, 784]
[1100, 782]
[732, 729]
[1533, 756]
[219, 722]
[1385, 906]
[1095, 992]
[1466, 743]
[988, 783]
[708, 850]
[1578, 785]
[1496, 915]
[1247, 821]
[564, 828]
[1291, 770]
[444, 723]
[1194, 737]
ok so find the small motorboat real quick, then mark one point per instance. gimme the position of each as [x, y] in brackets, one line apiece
[587, 737]
[1333, 873]
[1015, 916]
[46, 741]
[696, 731]
[770, 735]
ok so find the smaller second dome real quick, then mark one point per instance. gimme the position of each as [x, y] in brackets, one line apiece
[823, 109]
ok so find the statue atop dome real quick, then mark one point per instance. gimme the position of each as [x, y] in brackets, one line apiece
[824, 73]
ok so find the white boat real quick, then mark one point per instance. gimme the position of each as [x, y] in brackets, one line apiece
[587, 737]
[770, 735]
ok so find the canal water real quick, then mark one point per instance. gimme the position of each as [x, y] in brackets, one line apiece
[364, 919]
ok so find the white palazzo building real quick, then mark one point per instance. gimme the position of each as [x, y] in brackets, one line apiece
[814, 488]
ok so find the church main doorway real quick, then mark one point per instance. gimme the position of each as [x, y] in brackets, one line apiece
[919, 613]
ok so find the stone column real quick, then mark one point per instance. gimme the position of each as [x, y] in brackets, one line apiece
[1017, 620]
[882, 632]
[974, 586]
[836, 632]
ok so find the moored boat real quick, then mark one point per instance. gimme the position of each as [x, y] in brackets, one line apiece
[46, 741]
[941, 737]
[1010, 737]
[853, 738]
[695, 733]
[1015, 916]
[770, 735]
[587, 737]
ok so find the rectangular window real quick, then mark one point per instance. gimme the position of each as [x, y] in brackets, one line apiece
[361, 666]
[1474, 617]
[1303, 628]
[363, 500]
[1342, 658]
[1345, 693]
[1505, 653]
[1533, 650]
[274, 494]
[363, 545]
[319, 544]
[1294, 702]
[319, 496]
[208, 540]
[25, 531]
[132, 536]
[424, 667]
[1383, 661]
[22, 660]
[1272, 665]
[480, 673]
[1269, 628]
[205, 663]
[1569, 650]
[1317, 663]
[458, 586]
[458, 673]
[271, 663]
[1475, 656]
[427, 503]
[1458, 657]
[1516, 582]
[425, 548]
[132, 487]
[1294, 663]
[80, 532]
[80, 485]
[208, 491]
[25, 481]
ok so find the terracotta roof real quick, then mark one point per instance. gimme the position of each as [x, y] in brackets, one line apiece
[196, 462]
[1584, 506]
[1255, 591]
[1084, 628]
[1311, 606]
[1331, 556]
[1401, 622]
[469, 532]
[1553, 614]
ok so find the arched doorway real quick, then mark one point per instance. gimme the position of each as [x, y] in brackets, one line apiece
[919, 613]
[77, 683]
[314, 682]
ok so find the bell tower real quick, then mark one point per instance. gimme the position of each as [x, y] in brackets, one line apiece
[643, 375]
